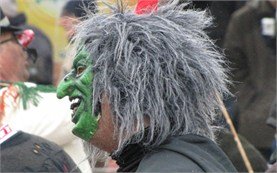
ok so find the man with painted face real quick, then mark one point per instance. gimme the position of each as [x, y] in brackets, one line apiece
[143, 87]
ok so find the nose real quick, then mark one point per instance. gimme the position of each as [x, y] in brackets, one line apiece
[65, 87]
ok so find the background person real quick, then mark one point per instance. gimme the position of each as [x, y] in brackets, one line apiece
[72, 13]
[250, 45]
[20, 151]
[49, 119]
[41, 72]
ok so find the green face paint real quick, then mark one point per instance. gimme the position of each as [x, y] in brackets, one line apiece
[77, 84]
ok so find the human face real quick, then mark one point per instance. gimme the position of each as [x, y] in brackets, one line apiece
[13, 59]
[77, 84]
[68, 23]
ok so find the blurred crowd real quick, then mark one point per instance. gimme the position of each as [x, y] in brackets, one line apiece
[245, 31]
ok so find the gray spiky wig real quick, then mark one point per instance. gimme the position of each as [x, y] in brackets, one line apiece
[160, 68]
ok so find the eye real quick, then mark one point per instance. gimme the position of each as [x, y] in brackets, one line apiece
[80, 70]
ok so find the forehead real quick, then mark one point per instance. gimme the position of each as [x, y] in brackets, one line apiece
[81, 54]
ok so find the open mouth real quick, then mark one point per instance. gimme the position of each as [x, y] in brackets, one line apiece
[75, 104]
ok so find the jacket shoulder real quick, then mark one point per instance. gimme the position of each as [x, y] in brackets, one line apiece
[167, 161]
[34, 154]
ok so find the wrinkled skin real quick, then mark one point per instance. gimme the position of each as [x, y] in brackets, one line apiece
[78, 84]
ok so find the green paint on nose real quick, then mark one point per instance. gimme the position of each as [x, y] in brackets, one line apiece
[64, 88]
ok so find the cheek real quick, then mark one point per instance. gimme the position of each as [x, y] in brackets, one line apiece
[66, 23]
[8, 59]
[21, 58]
[105, 138]
[84, 84]
[15, 53]
[87, 79]
[13, 62]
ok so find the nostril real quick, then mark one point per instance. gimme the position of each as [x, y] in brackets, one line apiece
[66, 78]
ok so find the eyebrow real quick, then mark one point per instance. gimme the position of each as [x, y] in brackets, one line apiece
[76, 60]
[81, 54]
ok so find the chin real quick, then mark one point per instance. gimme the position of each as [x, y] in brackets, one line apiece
[107, 144]
[95, 154]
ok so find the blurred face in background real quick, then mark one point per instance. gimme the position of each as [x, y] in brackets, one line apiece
[13, 59]
[68, 22]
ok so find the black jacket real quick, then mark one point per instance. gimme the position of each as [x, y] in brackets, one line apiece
[188, 153]
[24, 152]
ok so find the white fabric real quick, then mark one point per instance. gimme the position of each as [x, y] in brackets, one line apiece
[51, 119]
[6, 132]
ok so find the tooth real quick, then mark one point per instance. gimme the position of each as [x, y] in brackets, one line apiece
[75, 100]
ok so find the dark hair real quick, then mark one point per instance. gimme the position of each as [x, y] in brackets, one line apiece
[78, 7]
